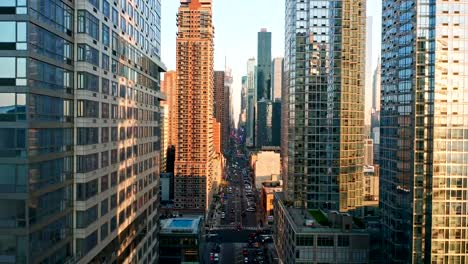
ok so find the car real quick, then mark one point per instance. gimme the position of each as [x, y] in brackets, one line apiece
[239, 228]
[245, 252]
[246, 260]
[211, 256]
[250, 209]
[217, 248]
[267, 239]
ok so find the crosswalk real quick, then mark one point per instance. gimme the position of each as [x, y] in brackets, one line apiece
[231, 227]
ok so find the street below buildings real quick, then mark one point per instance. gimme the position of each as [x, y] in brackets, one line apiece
[236, 236]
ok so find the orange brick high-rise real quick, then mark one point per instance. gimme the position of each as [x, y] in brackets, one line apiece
[195, 168]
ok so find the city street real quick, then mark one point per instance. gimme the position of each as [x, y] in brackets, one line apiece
[228, 240]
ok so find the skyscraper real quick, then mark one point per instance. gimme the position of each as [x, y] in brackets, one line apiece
[251, 101]
[244, 94]
[324, 67]
[80, 109]
[219, 96]
[263, 116]
[264, 65]
[276, 123]
[194, 168]
[424, 124]
[226, 124]
[368, 73]
[277, 78]
[169, 88]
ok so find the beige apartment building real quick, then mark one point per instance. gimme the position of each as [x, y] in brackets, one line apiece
[195, 153]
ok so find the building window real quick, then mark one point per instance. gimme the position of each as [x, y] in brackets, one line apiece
[12, 71]
[105, 35]
[13, 35]
[88, 81]
[104, 207]
[104, 135]
[325, 241]
[104, 231]
[87, 108]
[106, 8]
[343, 241]
[12, 107]
[95, 3]
[104, 159]
[104, 110]
[47, 76]
[113, 223]
[105, 86]
[105, 178]
[87, 163]
[88, 54]
[113, 179]
[87, 135]
[88, 24]
[86, 218]
[105, 62]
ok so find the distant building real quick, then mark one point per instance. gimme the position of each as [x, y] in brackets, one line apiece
[315, 236]
[371, 185]
[181, 240]
[169, 87]
[263, 123]
[251, 102]
[164, 136]
[264, 65]
[266, 199]
[217, 135]
[166, 188]
[266, 166]
[277, 78]
[368, 152]
[276, 123]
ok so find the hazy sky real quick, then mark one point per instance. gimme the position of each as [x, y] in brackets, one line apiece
[236, 26]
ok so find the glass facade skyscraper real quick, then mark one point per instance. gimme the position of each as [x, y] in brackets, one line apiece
[79, 127]
[251, 101]
[324, 71]
[264, 65]
[424, 130]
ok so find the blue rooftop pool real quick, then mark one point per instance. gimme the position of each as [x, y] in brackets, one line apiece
[181, 223]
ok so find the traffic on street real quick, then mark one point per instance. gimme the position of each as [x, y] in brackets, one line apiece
[238, 235]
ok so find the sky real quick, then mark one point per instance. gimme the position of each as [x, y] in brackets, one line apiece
[236, 26]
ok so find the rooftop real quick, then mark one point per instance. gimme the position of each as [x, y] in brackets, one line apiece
[319, 221]
[181, 225]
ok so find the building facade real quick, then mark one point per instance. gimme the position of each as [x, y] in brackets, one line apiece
[164, 137]
[368, 151]
[251, 102]
[264, 65]
[195, 152]
[181, 240]
[263, 116]
[323, 72]
[315, 236]
[226, 124]
[371, 185]
[276, 123]
[277, 78]
[424, 121]
[81, 100]
[169, 88]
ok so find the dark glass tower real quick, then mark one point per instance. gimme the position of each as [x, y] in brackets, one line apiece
[324, 72]
[424, 131]
[264, 65]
